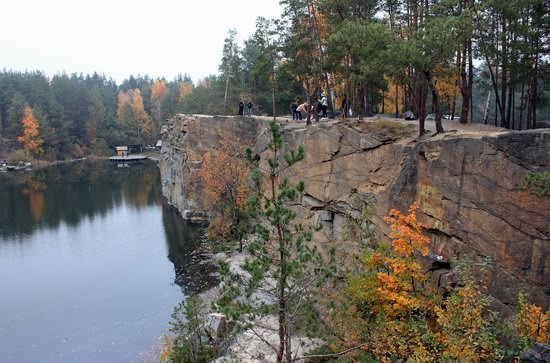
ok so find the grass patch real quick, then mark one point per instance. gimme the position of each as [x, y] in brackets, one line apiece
[390, 128]
[538, 183]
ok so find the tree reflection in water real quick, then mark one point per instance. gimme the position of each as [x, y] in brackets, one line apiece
[188, 251]
[70, 193]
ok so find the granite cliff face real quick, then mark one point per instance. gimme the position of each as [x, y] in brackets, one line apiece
[466, 183]
[185, 140]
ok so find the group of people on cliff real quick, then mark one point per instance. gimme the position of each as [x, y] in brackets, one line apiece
[249, 107]
[299, 111]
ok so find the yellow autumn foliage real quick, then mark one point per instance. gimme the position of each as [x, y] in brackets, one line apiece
[390, 313]
[140, 116]
[223, 177]
[185, 89]
[30, 139]
[389, 104]
[464, 334]
[532, 323]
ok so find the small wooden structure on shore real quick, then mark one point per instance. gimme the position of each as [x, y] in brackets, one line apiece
[122, 151]
[126, 154]
[126, 150]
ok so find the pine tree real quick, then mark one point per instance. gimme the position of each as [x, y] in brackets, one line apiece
[284, 264]
[228, 66]
[266, 37]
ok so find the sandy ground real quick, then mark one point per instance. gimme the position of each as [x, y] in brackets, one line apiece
[448, 125]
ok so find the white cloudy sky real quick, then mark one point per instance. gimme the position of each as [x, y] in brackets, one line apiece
[123, 37]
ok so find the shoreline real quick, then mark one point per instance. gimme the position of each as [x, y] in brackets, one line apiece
[41, 164]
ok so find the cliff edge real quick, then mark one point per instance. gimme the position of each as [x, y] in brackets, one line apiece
[466, 182]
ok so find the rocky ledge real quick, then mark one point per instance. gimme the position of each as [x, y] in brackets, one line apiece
[466, 182]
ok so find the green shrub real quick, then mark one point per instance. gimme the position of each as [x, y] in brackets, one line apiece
[538, 183]
[190, 342]
[19, 155]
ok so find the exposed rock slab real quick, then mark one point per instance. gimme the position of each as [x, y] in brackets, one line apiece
[185, 140]
[466, 183]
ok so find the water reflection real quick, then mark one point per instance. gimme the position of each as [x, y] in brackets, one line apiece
[92, 261]
[187, 251]
[70, 192]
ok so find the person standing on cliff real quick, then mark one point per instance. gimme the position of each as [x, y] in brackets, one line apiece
[249, 106]
[294, 108]
[302, 109]
[345, 106]
[241, 108]
[323, 103]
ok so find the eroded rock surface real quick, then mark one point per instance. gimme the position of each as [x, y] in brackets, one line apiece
[185, 140]
[466, 184]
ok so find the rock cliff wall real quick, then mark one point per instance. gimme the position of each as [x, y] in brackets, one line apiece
[466, 183]
[185, 140]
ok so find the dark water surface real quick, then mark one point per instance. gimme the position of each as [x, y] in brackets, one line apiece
[92, 261]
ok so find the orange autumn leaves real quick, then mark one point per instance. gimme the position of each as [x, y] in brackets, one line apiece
[532, 323]
[406, 233]
[131, 111]
[159, 90]
[223, 178]
[464, 332]
[223, 175]
[30, 139]
[391, 313]
[399, 276]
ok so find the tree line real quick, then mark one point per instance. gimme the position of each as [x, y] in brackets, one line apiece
[481, 61]
[77, 115]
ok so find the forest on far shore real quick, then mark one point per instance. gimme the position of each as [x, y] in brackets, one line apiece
[482, 61]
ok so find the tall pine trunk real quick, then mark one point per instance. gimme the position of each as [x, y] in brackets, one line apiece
[464, 88]
[521, 106]
[435, 102]
[471, 78]
[273, 93]
[227, 76]
[504, 74]
[422, 97]
[486, 110]
[396, 100]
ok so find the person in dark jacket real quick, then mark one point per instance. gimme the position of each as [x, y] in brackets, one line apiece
[241, 108]
[294, 107]
[249, 106]
[345, 106]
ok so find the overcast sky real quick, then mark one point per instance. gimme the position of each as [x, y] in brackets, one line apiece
[124, 37]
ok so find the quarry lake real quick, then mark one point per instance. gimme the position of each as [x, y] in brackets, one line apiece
[92, 262]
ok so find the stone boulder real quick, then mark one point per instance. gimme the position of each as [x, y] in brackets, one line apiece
[540, 353]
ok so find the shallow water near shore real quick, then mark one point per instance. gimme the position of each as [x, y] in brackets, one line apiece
[92, 261]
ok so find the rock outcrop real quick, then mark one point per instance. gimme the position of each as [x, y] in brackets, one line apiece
[185, 140]
[540, 353]
[466, 182]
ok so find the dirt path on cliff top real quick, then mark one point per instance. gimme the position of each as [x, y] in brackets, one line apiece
[455, 127]
[450, 127]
